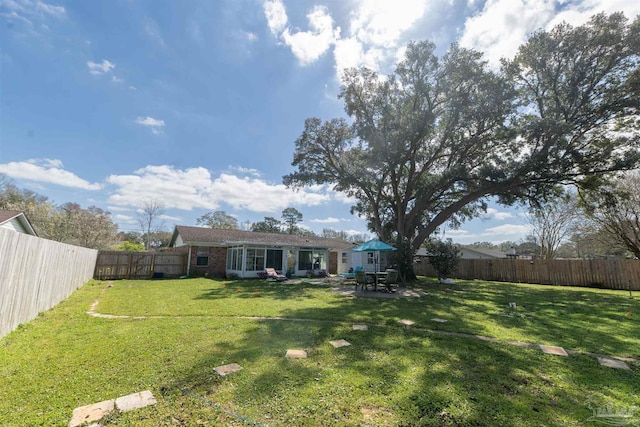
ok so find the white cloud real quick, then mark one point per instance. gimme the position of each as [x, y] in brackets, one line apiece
[196, 188]
[98, 68]
[508, 230]
[125, 219]
[245, 171]
[493, 213]
[154, 124]
[276, 16]
[503, 25]
[329, 220]
[51, 9]
[342, 197]
[310, 45]
[152, 30]
[496, 234]
[48, 171]
[115, 79]
[377, 32]
[382, 22]
[250, 36]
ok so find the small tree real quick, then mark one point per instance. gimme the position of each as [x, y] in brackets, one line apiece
[269, 225]
[616, 210]
[552, 223]
[444, 257]
[291, 217]
[150, 220]
[218, 219]
[129, 246]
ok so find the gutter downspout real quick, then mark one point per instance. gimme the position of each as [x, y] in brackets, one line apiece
[189, 261]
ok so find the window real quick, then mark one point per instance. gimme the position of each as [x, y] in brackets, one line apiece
[305, 260]
[234, 259]
[274, 259]
[311, 260]
[344, 257]
[255, 259]
[202, 256]
[370, 258]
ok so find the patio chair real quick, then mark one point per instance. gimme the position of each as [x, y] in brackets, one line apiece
[272, 274]
[391, 280]
[363, 280]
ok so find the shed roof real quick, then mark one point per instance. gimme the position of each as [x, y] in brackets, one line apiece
[222, 237]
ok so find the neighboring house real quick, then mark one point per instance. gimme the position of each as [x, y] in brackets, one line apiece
[16, 221]
[470, 253]
[478, 253]
[218, 252]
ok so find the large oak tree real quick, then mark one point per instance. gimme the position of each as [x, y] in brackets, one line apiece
[429, 143]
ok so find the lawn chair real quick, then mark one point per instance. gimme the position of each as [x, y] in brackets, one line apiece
[363, 280]
[391, 280]
[272, 274]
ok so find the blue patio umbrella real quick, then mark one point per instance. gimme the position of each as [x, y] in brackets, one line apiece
[374, 245]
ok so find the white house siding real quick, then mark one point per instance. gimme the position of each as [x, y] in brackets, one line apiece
[15, 225]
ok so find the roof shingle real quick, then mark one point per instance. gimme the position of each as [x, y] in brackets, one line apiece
[216, 236]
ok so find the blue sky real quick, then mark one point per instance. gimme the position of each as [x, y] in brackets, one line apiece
[197, 104]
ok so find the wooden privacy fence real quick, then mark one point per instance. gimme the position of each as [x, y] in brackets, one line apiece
[36, 274]
[601, 273]
[139, 265]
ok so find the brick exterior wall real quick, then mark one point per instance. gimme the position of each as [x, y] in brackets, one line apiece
[217, 266]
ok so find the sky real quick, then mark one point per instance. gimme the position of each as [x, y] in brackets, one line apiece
[197, 104]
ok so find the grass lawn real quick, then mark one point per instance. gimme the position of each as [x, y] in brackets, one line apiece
[389, 376]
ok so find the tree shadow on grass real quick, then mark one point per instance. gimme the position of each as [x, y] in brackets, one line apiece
[269, 289]
[391, 375]
[574, 318]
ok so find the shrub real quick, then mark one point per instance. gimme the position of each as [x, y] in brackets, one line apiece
[444, 257]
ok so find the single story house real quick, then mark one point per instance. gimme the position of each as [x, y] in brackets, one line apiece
[480, 253]
[470, 253]
[219, 252]
[16, 221]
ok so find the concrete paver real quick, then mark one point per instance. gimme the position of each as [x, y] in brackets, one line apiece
[406, 322]
[360, 327]
[613, 363]
[225, 370]
[94, 412]
[552, 349]
[296, 354]
[135, 401]
[437, 319]
[340, 343]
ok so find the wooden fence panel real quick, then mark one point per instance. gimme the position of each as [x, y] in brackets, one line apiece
[600, 273]
[36, 274]
[139, 265]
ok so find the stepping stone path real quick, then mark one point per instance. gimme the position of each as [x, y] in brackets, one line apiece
[613, 363]
[340, 343]
[406, 322]
[94, 412]
[225, 370]
[435, 319]
[296, 354]
[551, 349]
[360, 327]
[135, 401]
[86, 414]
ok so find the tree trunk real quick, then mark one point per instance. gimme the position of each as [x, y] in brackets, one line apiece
[404, 256]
